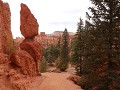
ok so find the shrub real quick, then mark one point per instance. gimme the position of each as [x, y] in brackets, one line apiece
[63, 66]
[43, 65]
[57, 62]
[60, 64]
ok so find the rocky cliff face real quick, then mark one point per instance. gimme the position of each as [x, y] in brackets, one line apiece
[35, 50]
[24, 61]
[6, 39]
[18, 67]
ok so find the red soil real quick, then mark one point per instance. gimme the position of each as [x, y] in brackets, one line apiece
[54, 81]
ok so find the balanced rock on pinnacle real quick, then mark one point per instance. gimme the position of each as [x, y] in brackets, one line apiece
[29, 29]
[28, 23]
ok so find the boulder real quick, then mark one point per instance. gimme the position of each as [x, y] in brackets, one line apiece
[76, 79]
[28, 23]
[34, 49]
[24, 61]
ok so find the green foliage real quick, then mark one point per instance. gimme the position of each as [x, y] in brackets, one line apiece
[63, 66]
[59, 42]
[51, 54]
[60, 64]
[43, 65]
[101, 63]
[64, 54]
[78, 48]
[57, 62]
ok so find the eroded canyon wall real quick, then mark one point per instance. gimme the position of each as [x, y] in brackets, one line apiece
[6, 38]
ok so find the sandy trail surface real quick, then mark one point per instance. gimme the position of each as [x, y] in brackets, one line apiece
[57, 81]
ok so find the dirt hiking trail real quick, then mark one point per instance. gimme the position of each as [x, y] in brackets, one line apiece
[57, 81]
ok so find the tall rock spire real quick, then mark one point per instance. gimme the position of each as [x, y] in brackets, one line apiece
[6, 38]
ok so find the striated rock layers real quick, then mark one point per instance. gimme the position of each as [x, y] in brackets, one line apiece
[6, 39]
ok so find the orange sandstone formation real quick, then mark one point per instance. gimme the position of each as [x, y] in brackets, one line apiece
[35, 50]
[17, 68]
[29, 29]
[28, 23]
[6, 39]
[24, 61]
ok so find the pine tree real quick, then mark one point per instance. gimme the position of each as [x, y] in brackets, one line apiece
[77, 48]
[64, 54]
[103, 57]
[51, 54]
[59, 42]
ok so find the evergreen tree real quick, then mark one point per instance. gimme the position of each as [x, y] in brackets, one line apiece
[77, 48]
[102, 53]
[51, 54]
[43, 65]
[64, 54]
[59, 41]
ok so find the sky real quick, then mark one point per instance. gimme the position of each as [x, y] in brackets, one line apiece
[51, 15]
